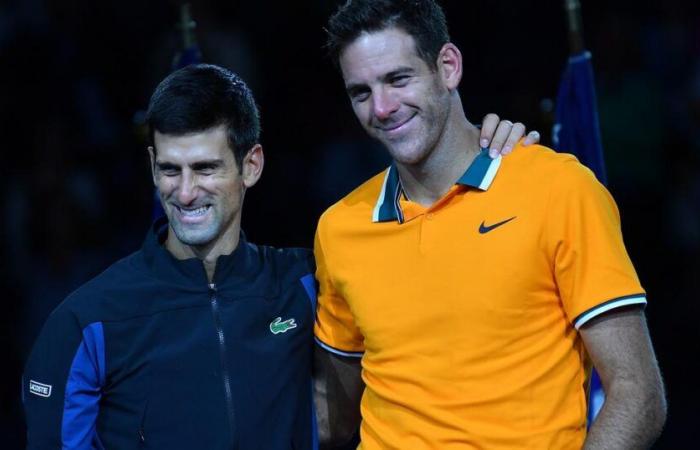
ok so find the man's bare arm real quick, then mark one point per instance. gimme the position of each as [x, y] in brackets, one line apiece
[635, 405]
[338, 388]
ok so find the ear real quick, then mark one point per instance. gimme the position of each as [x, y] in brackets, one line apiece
[449, 65]
[152, 155]
[253, 166]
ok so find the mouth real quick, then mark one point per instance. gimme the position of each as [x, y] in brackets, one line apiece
[192, 215]
[396, 127]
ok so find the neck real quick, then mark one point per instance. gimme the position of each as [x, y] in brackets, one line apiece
[429, 180]
[207, 253]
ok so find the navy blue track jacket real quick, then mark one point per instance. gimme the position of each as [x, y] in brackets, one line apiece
[150, 355]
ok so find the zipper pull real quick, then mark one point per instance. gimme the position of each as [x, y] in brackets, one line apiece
[142, 438]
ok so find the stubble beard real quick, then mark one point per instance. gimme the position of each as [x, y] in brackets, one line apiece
[433, 119]
[414, 150]
[196, 237]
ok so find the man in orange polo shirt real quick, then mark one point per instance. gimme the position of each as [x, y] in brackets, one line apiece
[464, 297]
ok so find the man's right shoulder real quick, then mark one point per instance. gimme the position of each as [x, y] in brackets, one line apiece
[122, 275]
[359, 203]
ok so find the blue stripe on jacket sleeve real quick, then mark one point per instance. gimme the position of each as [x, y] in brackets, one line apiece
[84, 390]
[309, 283]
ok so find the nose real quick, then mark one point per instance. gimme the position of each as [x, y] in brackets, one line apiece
[187, 188]
[384, 104]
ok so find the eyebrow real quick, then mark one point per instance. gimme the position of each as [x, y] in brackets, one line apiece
[207, 164]
[197, 165]
[164, 165]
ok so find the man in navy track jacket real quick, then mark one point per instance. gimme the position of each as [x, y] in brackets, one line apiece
[200, 340]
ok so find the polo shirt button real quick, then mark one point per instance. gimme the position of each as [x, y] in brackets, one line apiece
[429, 216]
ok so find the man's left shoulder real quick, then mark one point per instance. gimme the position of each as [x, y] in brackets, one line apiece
[538, 156]
[295, 266]
[547, 165]
[289, 259]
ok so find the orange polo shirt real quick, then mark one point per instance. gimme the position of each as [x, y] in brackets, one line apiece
[465, 313]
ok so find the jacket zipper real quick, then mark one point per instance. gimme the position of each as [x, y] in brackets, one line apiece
[222, 354]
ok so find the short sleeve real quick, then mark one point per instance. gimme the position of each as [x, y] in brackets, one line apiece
[335, 329]
[593, 271]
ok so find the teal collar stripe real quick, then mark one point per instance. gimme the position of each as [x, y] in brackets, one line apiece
[479, 175]
[387, 207]
[481, 171]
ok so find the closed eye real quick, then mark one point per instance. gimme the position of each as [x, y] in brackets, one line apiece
[206, 168]
[399, 80]
[399, 77]
[167, 169]
[358, 94]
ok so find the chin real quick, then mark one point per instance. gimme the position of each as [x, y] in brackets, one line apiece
[408, 149]
[194, 236]
[407, 157]
[196, 241]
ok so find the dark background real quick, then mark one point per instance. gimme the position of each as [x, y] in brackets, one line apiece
[76, 191]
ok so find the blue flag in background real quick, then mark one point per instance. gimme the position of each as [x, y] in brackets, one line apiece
[576, 130]
[188, 56]
[190, 53]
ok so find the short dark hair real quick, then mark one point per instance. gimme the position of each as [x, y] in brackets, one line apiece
[202, 96]
[424, 20]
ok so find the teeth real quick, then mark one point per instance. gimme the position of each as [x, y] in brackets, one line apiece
[194, 212]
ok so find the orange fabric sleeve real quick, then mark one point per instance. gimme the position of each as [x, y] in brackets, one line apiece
[335, 326]
[591, 264]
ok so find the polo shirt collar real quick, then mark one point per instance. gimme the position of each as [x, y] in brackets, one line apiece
[479, 175]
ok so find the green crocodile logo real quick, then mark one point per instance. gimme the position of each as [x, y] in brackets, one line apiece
[278, 326]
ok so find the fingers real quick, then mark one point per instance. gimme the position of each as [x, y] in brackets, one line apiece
[500, 138]
[488, 127]
[533, 137]
[516, 133]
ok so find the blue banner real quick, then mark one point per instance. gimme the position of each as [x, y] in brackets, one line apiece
[188, 56]
[576, 129]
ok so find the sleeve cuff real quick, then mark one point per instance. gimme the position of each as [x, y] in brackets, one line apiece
[636, 299]
[330, 349]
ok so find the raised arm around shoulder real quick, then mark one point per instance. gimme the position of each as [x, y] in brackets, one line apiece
[635, 406]
[338, 388]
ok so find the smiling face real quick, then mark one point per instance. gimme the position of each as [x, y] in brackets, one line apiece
[395, 95]
[202, 189]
